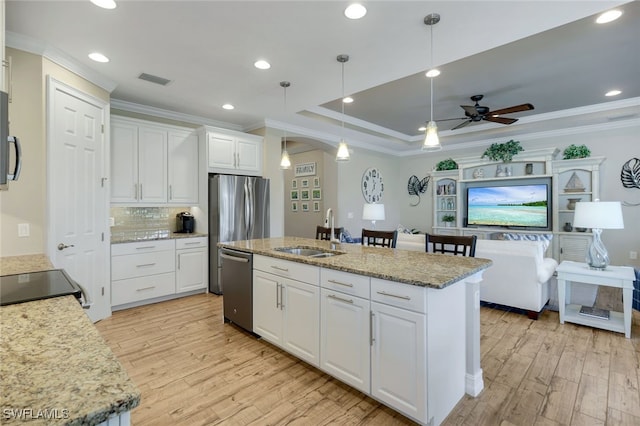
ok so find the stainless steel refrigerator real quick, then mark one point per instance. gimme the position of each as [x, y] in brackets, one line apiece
[238, 210]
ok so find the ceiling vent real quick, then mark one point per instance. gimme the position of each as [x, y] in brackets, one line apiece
[154, 79]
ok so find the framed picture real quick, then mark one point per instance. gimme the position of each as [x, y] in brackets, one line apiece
[316, 194]
[294, 184]
[294, 206]
[304, 183]
[305, 194]
[316, 206]
[305, 169]
[295, 194]
[316, 182]
[305, 207]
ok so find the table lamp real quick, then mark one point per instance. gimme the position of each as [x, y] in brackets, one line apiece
[598, 215]
[373, 212]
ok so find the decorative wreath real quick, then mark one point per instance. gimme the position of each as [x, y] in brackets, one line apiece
[416, 186]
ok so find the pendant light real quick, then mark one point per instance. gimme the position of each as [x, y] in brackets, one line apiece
[343, 149]
[285, 162]
[431, 139]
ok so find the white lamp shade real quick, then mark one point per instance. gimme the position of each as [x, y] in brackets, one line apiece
[285, 161]
[373, 212]
[431, 139]
[343, 151]
[598, 214]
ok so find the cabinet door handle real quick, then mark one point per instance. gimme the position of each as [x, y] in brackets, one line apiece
[333, 296]
[371, 338]
[145, 265]
[191, 243]
[170, 193]
[146, 288]
[179, 261]
[341, 283]
[277, 296]
[281, 297]
[280, 268]
[384, 293]
[140, 191]
[145, 247]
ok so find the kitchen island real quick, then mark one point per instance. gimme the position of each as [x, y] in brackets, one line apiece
[55, 368]
[401, 326]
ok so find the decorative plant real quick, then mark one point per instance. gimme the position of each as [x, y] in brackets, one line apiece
[447, 164]
[448, 218]
[503, 151]
[576, 151]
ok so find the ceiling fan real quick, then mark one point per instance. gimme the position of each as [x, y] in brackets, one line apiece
[479, 112]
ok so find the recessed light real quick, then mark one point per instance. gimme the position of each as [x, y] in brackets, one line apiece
[613, 93]
[347, 100]
[262, 64]
[608, 16]
[228, 106]
[105, 4]
[422, 129]
[355, 11]
[98, 57]
[434, 72]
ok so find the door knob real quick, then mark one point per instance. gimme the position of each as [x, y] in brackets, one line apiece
[62, 246]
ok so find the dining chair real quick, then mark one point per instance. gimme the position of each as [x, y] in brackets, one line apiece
[323, 233]
[379, 238]
[451, 244]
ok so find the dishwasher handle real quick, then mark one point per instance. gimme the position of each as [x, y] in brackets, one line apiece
[234, 258]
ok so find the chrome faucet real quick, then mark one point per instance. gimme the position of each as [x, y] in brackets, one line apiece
[332, 238]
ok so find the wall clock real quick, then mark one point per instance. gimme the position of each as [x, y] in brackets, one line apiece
[372, 186]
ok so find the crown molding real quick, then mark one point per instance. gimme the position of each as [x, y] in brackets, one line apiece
[37, 47]
[171, 115]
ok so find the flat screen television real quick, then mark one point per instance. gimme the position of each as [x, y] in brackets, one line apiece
[509, 206]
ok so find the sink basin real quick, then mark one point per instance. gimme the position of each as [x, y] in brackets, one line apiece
[307, 251]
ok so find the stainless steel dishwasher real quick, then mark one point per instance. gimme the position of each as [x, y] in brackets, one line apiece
[237, 281]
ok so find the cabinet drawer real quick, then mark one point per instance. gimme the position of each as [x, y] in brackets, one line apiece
[138, 265]
[195, 242]
[405, 296]
[135, 289]
[296, 271]
[141, 247]
[357, 285]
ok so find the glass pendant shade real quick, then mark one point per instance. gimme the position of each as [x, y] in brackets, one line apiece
[431, 139]
[285, 162]
[343, 151]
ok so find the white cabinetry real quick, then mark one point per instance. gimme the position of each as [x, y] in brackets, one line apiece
[398, 354]
[233, 152]
[286, 311]
[152, 163]
[141, 271]
[345, 333]
[191, 264]
[573, 181]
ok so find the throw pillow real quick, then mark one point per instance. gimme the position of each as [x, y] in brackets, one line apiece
[545, 238]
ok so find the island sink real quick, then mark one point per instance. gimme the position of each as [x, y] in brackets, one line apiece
[307, 251]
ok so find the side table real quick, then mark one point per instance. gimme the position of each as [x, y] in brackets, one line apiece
[614, 276]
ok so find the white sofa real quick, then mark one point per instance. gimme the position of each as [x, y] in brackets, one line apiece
[519, 277]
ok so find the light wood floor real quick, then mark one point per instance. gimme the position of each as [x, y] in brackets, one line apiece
[194, 370]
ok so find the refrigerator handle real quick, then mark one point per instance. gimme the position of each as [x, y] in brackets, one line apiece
[251, 208]
[247, 201]
[18, 166]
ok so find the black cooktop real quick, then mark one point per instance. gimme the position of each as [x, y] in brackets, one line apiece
[36, 286]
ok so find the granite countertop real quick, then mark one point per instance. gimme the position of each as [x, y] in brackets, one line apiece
[11, 265]
[134, 236]
[55, 365]
[406, 266]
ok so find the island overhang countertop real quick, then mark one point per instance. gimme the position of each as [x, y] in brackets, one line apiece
[405, 266]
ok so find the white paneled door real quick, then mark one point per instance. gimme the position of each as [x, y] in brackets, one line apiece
[78, 240]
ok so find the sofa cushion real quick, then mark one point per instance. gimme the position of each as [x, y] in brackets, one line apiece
[414, 242]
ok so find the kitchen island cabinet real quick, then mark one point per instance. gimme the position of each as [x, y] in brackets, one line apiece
[423, 320]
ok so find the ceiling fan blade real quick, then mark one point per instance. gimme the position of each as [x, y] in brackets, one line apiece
[469, 109]
[501, 120]
[450, 119]
[464, 123]
[512, 109]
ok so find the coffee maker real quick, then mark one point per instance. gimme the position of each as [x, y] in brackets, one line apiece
[186, 223]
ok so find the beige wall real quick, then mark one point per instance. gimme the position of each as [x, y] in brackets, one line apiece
[25, 201]
[271, 170]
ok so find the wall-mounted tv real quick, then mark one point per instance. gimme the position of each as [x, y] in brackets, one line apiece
[523, 206]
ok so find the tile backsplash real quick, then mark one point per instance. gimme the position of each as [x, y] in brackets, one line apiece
[144, 222]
